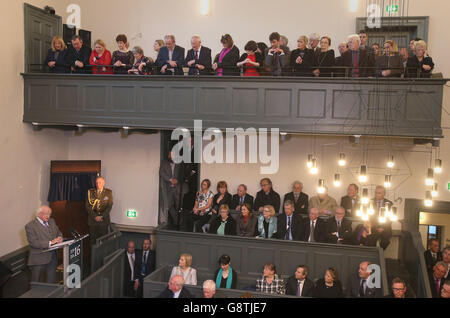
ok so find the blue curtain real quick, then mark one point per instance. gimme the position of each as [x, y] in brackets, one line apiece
[70, 186]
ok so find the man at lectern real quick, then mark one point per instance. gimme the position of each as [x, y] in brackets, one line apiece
[42, 233]
[98, 205]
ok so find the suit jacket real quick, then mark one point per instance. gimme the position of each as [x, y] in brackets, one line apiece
[82, 55]
[429, 259]
[236, 201]
[144, 268]
[229, 62]
[167, 293]
[296, 226]
[179, 172]
[434, 291]
[227, 199]
[277, 69]
[273, 199]
[99, 205]
[205, 59]
[354, 283]
[319, 231]
[386, 62]
[345, 232]
[366, 63]
[127, 268]
[350, 208]
[301, 206]
[328, 204]
[61, 64]
[250, 230]
[177, 56]
[39, 237]
[292, 286]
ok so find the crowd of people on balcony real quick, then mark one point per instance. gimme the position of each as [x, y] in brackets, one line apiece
[313, 57]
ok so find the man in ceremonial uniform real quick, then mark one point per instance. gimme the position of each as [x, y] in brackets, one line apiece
[98, 205]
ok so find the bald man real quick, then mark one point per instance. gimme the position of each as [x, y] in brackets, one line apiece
[357, 284]
[175, 289]
[42, 233]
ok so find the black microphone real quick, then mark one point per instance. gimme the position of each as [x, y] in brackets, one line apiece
[75, 234]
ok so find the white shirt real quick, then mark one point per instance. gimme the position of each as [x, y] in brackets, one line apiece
[42, 222]
[177, 294]
[131, 260]
[301, 284]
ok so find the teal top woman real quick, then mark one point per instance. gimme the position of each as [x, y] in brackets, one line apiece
[226, 277]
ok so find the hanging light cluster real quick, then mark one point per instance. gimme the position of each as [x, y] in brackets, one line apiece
[433, 191]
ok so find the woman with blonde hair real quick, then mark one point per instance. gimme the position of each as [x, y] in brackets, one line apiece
[184, 269]
[56, 57]
[389, 64]
[421, 64]
[267, 222]
[100, 58]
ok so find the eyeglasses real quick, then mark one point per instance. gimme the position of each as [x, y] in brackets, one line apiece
[398, 289]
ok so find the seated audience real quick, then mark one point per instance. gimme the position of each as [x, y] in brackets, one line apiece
[436, 277]
[158, 45]
[225, 62]
[299, 198]
[223, 224]
[270, 283]
[445, 292]
[276, 59]
[170, 57]
[399, 289]
[325, 59]
[77, 56]
[251, 61]
[383, 231]
[359, 61]
[175, 289]
[350, 202]
[357, 284]
[247, 223]
[339, 228]
[329, 286]
[376, 50]
[141, 65]
[209, 289]
[131, 271]
[198, 58]
[267, 196]
[56, 56]
[100, 57]
[363, 235]
[326, 204]
[432, 254]
[267, 223]
[222, 197]
[420, 64]
[201, 213]
[289, 224]
[390, 64]
[185, 270]
[226, 277]
[314, 228]
[446, 259]
[240, 198]
[145, 265]
[299, 284]
[123, 58]
[302, 58]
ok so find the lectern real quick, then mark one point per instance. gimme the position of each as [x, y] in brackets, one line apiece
[72, 260]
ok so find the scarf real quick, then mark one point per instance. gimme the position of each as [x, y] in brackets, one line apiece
[229, 278]
[221, 57]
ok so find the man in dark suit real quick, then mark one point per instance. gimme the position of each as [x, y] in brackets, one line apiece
[77, 56]
[130, 277]
[357, 285]
[343, 47]
[433, 254]
[299, 284]
[350, 202]
[267, 196]
[289, 224]
[276, 59]
[339, 228]
[364, 39]
[383, 231]
[198, 59]
[173, 183]
[42, 233]
[175, 289]
[299, 198]
[359, 61]
[170, 57]
[437, 279]
[145, 265]
[314, 229]
[240, 198]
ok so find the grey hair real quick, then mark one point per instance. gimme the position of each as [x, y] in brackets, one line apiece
[39, 211]
[314, 36]
[195, 36]
[170, 36]
[137, 50]
[354, 37]
[441, 263]
[243, 185]
[209, 285]
[297, 182]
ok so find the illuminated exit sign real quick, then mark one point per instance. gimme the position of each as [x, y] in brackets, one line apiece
[392, 8]
[131, 214]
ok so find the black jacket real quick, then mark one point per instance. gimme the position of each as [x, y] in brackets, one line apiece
[319, 231]
[296, 226]
[236, 201]
[322, 291]
[61, 64]
[366, 63]
[205, 59]
[250, 230]
[350, 208]
[301, 206]
[324, 62]
[229, 62]
[167, 293]
[414, 68]
[227, 199]
[233, 282]
[434, 292]
[345, 231]
[429, 259]
[144, 269]
[292, 286]
[82, 55]
[353, 286]
[273, 199]
[230, 226]
[306, 68]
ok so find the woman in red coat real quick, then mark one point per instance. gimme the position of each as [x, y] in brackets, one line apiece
[100, 56]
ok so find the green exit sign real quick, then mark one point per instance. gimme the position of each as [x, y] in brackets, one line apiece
[131, 213]
[448, 186]
[392, 8]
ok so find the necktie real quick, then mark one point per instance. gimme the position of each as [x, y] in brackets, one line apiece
[296, 198]
[196, 56]
[242, 201]
[355, 64]
[46, 224]
[361, 288]
[311, 235]
[288, 231]
[299, 288]
[197, 71]
[338, 225]
[438, 287]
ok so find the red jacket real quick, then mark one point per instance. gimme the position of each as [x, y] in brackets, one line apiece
[105, 59]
